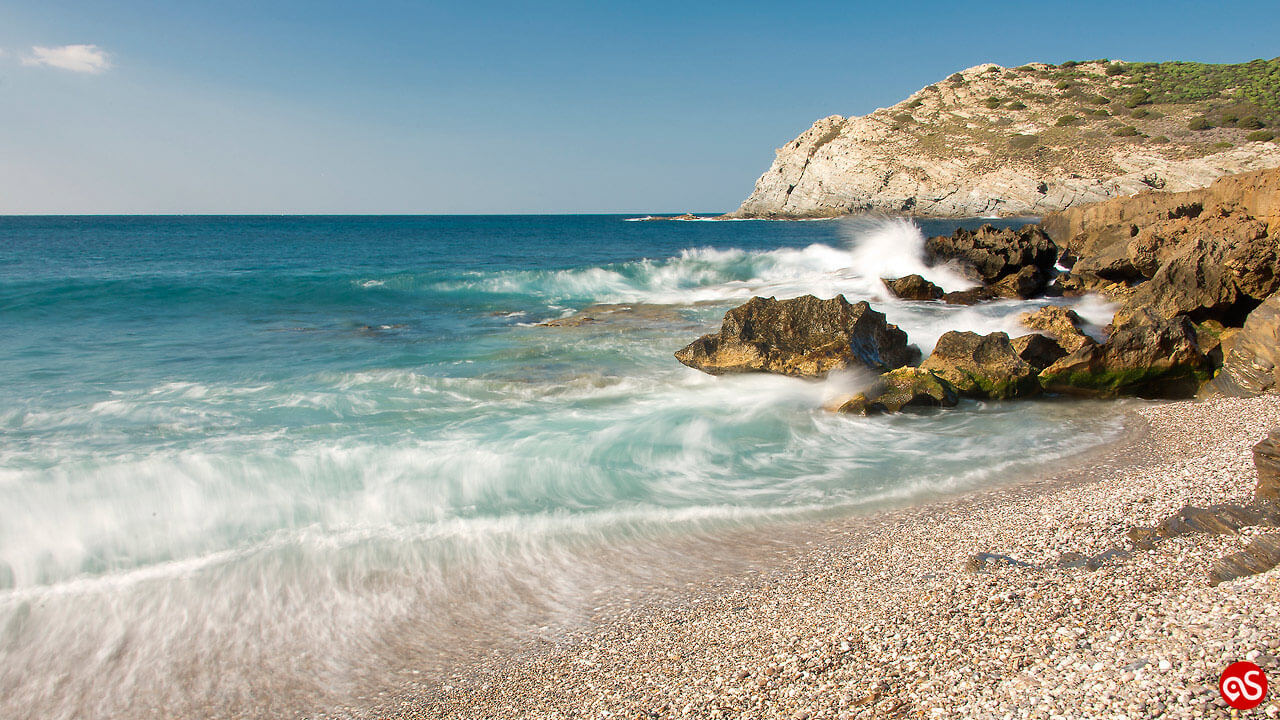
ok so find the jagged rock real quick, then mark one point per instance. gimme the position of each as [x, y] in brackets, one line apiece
[972, 296]
[901, 388]
[1024, 284]
[994, 254]
[1060, 323]
[913, 287]
[1260, 555]
[1252, 366]
[1266, 458]
[1039, 351]
[803, 337]
[982, 366]
[1221, 276]
[1149, 356]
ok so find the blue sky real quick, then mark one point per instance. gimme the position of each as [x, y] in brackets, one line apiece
[490, 106]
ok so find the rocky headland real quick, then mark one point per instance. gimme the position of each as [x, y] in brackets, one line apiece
[1031, 140]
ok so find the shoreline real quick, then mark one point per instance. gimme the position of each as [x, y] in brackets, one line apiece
[876, 614]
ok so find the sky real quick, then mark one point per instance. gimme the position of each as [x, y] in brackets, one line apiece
[499, 107]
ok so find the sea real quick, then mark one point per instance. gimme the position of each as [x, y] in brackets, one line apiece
[292, 466]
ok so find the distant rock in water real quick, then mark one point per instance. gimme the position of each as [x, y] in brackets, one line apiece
[1014, 141]
[1252, 367]
[802, 337]
[898, 389]
[912, 287]
[982, 366]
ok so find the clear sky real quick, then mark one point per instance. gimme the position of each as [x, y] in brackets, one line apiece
[492, 106]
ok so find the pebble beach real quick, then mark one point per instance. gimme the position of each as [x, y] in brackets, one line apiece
[896, 615]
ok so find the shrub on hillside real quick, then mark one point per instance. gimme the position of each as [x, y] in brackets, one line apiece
[1223, 144]
[1022, 142]
[1160, 139]
[1199, 123]
[1066, 120]
[1063, 85]
[1136, 98]
[1260, 136]
[1017, 105]
[1116, 69]
[993, 102]
[1140, 113]
[1250, 122]
[1126, 131]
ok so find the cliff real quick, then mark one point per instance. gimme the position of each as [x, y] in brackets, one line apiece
[1031, 140]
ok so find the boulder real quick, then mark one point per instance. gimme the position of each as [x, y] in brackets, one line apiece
[993, 255]
[901, 388]
[1027, 282]
[1252, 366]
[1039, 351]
[1060, 323]
[1148, 356]
[913, 287]
[802, 337]
[1266, 458]
[982, 366]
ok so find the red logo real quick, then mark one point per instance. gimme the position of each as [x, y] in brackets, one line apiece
[1243, 685]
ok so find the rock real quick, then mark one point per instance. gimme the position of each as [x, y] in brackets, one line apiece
[934, 154]
[1091, 229]
[1260, 555]
[972, 296]
[1149, 356]
[1266, 458]
[1252, 366]
[1022, 285]
[1038, 351]
[994, 255]
[913, 287]
[1220, 275]
[1060, 323]
[802, 337]
[982, 366]
[901, 388]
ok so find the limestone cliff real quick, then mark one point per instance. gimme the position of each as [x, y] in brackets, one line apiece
[1027, 141]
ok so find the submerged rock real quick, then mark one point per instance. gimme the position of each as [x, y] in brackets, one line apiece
[1149, 356]
[802, 337]
[982, 366]
[901, 388]
[912, 287]
[1252, 366]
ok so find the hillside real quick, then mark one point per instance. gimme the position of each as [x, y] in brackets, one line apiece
[1031, 140]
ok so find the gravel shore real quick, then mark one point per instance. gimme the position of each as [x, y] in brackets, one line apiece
[885, 616]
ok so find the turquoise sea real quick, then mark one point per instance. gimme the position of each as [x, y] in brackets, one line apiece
[263, 466]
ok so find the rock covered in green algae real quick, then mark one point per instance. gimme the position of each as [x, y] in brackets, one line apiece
[901, 388]
[982, 366]
[1148, 356]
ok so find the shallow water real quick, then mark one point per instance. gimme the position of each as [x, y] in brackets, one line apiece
[261, 465]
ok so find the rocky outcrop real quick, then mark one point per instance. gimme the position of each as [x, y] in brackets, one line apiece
[982, 366]
[901, 388]
[1060, 323]
[971, 146]
[1149, 356]
[1252, 366]
[802, 337]
[992, 255]
[912, 287]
